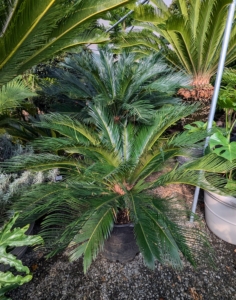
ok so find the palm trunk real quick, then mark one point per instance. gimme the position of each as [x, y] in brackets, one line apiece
[201, 91]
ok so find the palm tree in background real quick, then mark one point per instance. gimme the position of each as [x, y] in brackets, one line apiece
[129, 88]
[190, 35]
[32, 31]
[12, 95]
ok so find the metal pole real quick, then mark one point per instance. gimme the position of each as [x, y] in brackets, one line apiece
[125, 16]
[225, 43]
[122, 19]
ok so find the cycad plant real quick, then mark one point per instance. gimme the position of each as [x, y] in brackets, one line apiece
[126, 86]
[32, 31]
[190, 36]
[15, 97]
[12, 96]
[105, 168]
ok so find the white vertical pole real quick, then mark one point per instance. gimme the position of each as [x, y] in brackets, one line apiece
[217, 87]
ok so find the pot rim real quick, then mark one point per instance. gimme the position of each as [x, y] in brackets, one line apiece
[124, 225]
[229, 200]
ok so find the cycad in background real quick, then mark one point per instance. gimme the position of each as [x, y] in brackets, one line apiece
[15, 105]
[190, 37]
[126, 86]
[12, 94]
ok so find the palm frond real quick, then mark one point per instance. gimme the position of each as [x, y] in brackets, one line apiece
[151, 13]
[161, 236]
[152, 162]
[140, 110]
[128, 133]
[145, 42]
[39, 162]
[164, 118]
[12, 94]
[194, 17]
[170, 83]
[96, 226]
[191, 241]
[79, 217]
[202, 172]
[211, 163]
[181, 36]
[21, 130]
[109, 131]
[52, 144]
[45, 29]
[7, 8]
[184, 140]
[68, 127]
[92, 236]
[39, 201]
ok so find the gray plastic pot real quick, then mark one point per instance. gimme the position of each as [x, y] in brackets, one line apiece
[220, 214]
[121, 245]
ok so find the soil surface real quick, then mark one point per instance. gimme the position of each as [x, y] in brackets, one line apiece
[57, 278]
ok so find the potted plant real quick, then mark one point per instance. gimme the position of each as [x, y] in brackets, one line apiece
[221, 209]
[106, 166]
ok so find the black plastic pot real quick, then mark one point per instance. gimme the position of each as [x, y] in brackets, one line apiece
[193, 153]
[18, 251]
[121, 245]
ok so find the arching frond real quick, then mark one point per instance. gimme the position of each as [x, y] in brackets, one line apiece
[152, 162]
[128, 141]
[109, 131]
[184, 140]
[39, 201]
[163, 238]
[201, 172]
[164, 118]
[40, 162]
[32, 31]
[68, 127]
[92, 236]
[12, 94]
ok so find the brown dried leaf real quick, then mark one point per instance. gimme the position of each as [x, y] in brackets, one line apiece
[195, 295]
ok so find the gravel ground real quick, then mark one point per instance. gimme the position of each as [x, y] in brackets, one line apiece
[56, 278]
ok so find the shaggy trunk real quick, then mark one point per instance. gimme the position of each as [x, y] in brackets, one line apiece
[201, 91]
[123, 216]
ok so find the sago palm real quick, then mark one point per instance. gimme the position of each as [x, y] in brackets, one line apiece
[129, 88]
[32, 31]
[105, 168]
[14, 98]
[190, 37]
[12, 95]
